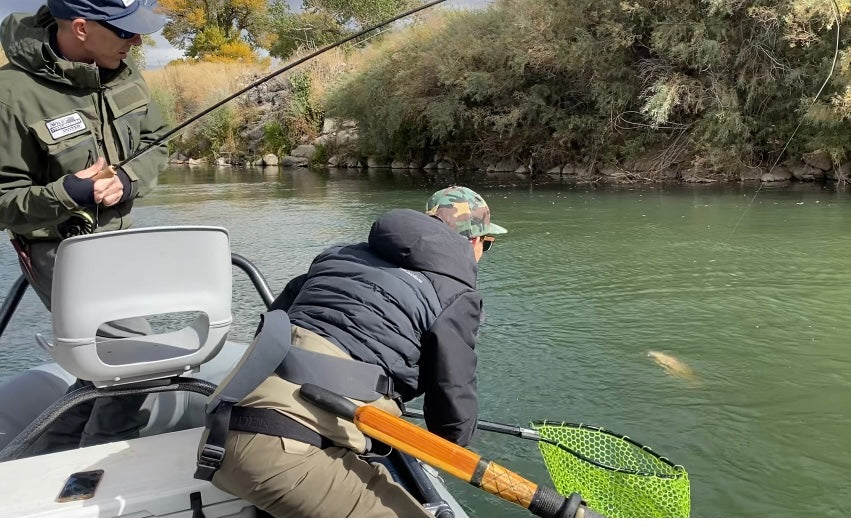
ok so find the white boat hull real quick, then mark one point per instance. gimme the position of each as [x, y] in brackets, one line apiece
[151, 476]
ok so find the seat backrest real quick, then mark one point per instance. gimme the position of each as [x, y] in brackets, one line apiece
[142, 272]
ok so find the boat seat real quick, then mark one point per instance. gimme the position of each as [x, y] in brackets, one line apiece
[26, 395]
[143, 272]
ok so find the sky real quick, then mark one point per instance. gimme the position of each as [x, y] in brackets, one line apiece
[159, 56]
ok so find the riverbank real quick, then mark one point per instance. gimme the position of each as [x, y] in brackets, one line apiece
[814, 167]
[598, 91]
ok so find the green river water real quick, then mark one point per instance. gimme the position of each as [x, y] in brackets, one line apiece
[588, 281]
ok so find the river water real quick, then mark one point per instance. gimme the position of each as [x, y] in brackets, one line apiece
[751, 294]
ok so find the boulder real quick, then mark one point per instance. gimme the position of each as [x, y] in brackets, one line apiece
[304, 150]
[291, 160]
[256, 133]
[329, 126]
[323, 140]
[270, 159]
[751, 174]
[346, 136]
[802, 171]
[177, 158]
[779, 174]
[399, 165]
[583, 172]
[819, 159]
[445, 165]
[696, 175]
[670, 173]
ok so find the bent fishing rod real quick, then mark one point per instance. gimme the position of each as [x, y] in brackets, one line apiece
[270, 76]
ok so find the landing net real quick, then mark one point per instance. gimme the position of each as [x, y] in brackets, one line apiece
[616, 476]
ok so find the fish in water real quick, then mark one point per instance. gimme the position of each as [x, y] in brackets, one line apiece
[675, 367]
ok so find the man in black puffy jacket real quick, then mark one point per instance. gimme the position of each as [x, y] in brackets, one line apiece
[403, 309]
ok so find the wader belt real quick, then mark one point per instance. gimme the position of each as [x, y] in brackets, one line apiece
[274, 423]
[272, 353]
[353, 379]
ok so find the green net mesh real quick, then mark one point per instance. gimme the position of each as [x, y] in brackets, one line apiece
[616, 476]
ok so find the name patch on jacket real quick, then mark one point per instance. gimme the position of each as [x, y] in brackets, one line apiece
[64, 126]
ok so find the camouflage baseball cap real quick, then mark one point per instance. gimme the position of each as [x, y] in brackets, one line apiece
[464, 210]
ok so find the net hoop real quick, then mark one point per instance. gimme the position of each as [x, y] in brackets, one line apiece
[680, 470]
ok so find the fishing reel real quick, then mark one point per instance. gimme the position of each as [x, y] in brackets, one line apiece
[80, 223]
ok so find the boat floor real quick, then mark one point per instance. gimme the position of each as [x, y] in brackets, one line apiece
[140, 479]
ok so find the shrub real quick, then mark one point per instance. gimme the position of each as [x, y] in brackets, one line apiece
[598, 80]
[276, 138]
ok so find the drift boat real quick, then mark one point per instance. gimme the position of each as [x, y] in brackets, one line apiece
[175, 270]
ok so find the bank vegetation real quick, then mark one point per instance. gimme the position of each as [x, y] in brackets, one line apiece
[644, 86]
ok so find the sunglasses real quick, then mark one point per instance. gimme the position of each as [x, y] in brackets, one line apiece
[126, 35]
[487, 242]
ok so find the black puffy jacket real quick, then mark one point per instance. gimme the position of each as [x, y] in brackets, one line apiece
[406, 301]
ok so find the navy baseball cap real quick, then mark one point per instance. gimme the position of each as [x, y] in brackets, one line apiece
[134, 16]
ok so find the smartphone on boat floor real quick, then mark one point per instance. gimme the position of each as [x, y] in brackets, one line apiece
[80, 486]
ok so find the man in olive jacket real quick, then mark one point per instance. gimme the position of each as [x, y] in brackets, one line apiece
[70, 106]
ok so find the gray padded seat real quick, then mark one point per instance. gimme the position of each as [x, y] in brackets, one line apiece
[163, 270]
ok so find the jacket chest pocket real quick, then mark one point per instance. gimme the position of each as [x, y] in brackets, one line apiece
[129, 127]
[128, 105]
[69, 143]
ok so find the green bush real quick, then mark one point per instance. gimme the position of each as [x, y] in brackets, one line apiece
[602, 80]
[219, 130]
[276, 139]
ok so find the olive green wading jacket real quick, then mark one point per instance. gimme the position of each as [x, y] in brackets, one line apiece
[56, 118]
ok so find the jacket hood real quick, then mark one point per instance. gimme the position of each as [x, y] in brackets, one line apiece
[417, 241]
[26, 40]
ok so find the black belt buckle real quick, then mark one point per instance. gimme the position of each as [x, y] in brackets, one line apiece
[385, 386]
[211, 455]
[209, 461]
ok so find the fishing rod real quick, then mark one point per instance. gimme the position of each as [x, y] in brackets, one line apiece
[801, 120]
[286, 68]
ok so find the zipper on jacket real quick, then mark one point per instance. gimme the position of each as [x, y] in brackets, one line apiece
[103, 125]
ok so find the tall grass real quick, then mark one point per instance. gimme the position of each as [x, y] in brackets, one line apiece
[183, 89]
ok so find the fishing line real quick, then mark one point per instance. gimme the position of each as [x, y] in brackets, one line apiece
[288, 67]
[800, 121]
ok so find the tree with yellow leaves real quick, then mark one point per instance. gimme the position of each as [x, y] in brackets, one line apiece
[215, 30]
